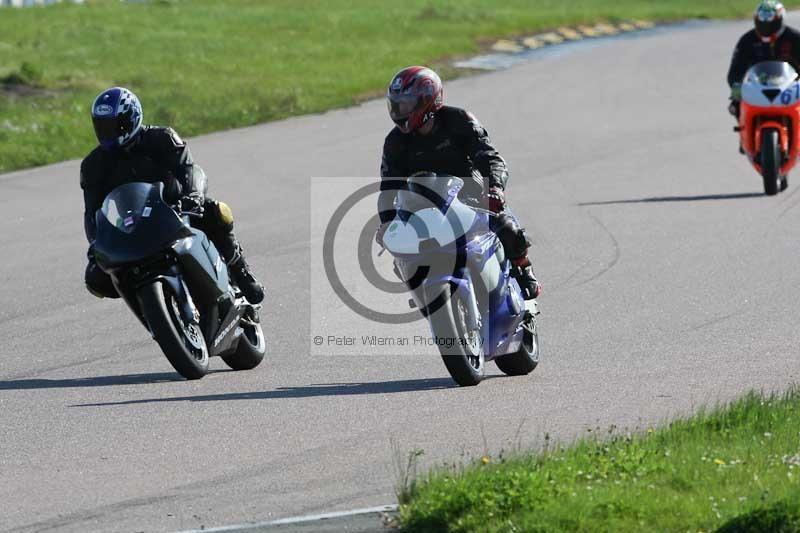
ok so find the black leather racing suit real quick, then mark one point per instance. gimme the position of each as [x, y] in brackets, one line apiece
[751, 50]
[457, 146]
[157, 155]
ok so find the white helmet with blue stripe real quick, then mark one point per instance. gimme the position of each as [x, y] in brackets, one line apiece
[117, 117]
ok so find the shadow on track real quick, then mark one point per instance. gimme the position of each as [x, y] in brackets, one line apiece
[659, 199]
[330, 389]
[96, 381]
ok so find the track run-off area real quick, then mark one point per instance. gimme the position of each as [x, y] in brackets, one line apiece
[671, 282]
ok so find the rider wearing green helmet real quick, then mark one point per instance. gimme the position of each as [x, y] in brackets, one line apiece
[770, 40]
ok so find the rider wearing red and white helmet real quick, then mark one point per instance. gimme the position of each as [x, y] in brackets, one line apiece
[432, 137]
[770, 40]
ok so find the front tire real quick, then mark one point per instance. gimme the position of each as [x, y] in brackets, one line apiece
[182, 344]
[526, 359]
[771, 162]
[251, 348]
[462, 350]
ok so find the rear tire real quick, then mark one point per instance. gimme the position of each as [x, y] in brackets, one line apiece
[183, 345]
[250, 350]
[462, 350]
[771, 162]
[526, 359]
[784, 183]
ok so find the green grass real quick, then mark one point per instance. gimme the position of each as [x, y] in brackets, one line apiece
[206, 65]
[730, 469]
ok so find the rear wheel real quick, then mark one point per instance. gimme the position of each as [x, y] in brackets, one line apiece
[771, 162]
[461, 348]
[251, 348]
[526, 359]
[183, 344]
[784, 183]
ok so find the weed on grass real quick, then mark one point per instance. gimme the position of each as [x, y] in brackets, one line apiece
[729, 467]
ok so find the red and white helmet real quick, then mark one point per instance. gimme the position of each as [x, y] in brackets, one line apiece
[769, 20]
[414, 95]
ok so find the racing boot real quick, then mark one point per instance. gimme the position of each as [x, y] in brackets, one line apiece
[217, 222]
[252, 289]
[523, 272]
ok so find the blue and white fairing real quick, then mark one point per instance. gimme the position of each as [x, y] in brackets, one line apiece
[429, 211]
[771, 84]
[437, 234]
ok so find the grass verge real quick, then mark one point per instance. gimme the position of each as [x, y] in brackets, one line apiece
[206, 65]
[731, 469]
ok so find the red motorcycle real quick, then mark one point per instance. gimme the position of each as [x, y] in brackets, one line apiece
[769, 121]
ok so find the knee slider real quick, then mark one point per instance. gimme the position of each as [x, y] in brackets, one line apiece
[225, 214]
[221, 215]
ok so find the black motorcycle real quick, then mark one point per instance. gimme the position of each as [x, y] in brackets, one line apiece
[174, 280]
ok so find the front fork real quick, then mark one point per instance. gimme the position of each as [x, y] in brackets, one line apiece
[173, 279]
[464, 289]
[186, 307]
[783, 134]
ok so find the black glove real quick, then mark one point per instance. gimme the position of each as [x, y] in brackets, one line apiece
[192, 203]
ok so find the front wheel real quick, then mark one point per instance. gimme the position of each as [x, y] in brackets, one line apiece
[183, 344]
[526, 359]
[771, 162]
[462, 348]
[251, 348]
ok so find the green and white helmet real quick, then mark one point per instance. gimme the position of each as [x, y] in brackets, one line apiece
[769, 20]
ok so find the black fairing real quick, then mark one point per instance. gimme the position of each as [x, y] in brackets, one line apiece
[134, 224]
[140, 240]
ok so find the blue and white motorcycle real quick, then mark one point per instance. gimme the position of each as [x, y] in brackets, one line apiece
[460, 279]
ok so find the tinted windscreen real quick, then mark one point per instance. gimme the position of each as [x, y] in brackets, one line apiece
[134, 222]
[428, 191]
[123, 207]
[772, 73]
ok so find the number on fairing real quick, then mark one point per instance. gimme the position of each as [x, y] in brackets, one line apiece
[792, 94]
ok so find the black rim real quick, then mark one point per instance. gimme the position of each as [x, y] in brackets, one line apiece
[253, 334]
[531, 340]
[191, 335]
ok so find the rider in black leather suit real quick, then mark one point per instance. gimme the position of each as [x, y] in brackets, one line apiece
[129, 151]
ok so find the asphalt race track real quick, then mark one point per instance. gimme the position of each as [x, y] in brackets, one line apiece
[670, 282]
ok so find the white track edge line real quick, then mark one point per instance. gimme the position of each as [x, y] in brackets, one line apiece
[297, 519]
